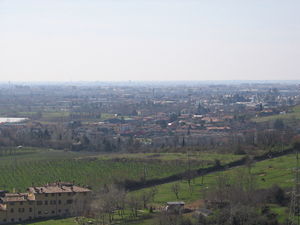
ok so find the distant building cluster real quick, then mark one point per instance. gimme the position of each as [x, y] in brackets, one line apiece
[111, 118]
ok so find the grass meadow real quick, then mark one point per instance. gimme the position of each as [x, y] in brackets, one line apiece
[24, 167]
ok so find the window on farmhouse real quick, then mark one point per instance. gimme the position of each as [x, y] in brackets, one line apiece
[21, 210]
[39, 203]
[70, 201]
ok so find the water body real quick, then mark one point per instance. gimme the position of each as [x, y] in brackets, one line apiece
[12, 120]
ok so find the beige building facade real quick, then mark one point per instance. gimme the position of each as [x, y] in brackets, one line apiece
[52, 200]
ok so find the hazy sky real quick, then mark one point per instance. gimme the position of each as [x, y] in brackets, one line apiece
[64, 40]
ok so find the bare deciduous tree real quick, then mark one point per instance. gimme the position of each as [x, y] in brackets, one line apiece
[176, 189]
[134, 203]
[106, 202]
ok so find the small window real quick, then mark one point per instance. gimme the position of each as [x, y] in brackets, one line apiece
[69, 194]
[20, 219]
[11, 203]
[12, 220]
[70, 201]
[59, 202]
[59, 194]
[21, 210]
[21, 203]
[46, 202]
[54, 202]
[39, 203]
[52, 194]
[4, 220]
[30, 209]
[39, 212]
[11, 210]
[53, 212]
[46, 195]
[59, 211]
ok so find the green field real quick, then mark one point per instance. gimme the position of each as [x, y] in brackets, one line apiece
[23, 167]
[45, 115]
[269, 172]
[27, 166]
[207, 157]
[68, 221]
[278, 171]
[295, 114]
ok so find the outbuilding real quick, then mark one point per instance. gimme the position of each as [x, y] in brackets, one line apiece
[175, 207]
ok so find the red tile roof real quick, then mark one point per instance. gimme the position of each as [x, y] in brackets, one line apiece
[58, 187]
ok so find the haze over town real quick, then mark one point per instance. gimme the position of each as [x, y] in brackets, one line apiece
[161, 112]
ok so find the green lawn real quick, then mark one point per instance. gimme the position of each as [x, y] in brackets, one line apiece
[72, 221]
[270, 172]
[282, 212]
[68, 221]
